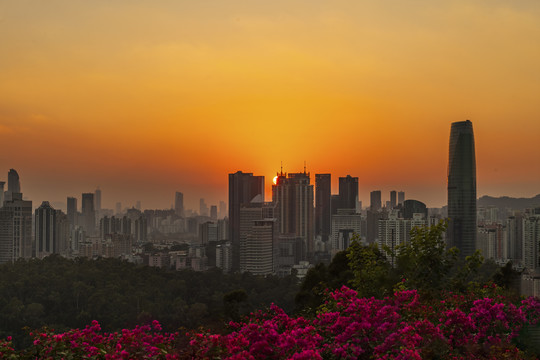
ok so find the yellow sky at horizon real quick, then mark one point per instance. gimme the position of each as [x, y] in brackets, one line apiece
[173, 95]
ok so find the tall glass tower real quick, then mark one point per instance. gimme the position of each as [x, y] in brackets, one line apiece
[462, 189]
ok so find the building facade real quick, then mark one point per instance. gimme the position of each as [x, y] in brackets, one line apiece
[461, 231]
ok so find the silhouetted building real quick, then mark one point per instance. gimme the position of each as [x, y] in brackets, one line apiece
[243, 187]
[462, 189]
[401, 197]
[203, 208]
[213, 212]
[323, 205]
[14, 184]
[293, 196]
[208, 232]
[393, 199]
[17, 241]
[72, 210]
[97, 199]
[63, 234]
[411, 207]
[45, 230]
[141, 230]
[514, 238]
[88, 213]
[179, 204]
[348, 192]
[376, 201]
[2, 183]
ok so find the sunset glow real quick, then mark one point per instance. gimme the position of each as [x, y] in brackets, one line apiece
[147, 98]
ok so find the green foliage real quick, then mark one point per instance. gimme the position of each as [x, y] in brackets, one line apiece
[372, 275]
[321, 279]
[64, 294]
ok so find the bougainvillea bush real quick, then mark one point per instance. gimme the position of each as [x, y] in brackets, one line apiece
[347, 327]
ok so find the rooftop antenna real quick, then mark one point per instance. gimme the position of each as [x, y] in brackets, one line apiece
[281, 173]
[304, 167]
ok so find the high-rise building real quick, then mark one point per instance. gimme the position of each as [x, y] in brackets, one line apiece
[393, 199]
[243, 188]
[401, 197]
[394, 230]
[213, 212]
[45, 230]
[376, 201]
[203, 208]
[118, 208]
[514, 238]
[14, 184]
[179, 204]
[2, 183]
[222, 209]
[249, 213]
[208, 232]
[6, 236]
[462, 189]
[141, 230]
[62, 240]
[18, 241]
[323, 205]
[72, 210]
[531, 241]
[345, 224]
[258, 248]
[293, 196]
[88, 213]
[97, 199]
[348, 192]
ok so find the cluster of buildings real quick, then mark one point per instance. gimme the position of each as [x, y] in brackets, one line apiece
[302, 225]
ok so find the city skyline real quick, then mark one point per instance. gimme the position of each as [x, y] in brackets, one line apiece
[149, 98]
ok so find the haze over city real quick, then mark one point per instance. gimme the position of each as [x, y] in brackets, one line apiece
[147, 98]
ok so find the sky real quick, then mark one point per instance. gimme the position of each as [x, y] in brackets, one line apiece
[145, 98]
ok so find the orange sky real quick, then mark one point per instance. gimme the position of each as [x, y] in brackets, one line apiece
[144, 98]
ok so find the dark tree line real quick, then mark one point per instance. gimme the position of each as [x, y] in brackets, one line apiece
[64, 294]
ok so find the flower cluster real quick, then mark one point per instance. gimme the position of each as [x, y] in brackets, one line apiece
[347, 327]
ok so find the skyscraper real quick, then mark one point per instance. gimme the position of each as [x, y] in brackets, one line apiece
[401, 197]
[88, 213]
[14, 185]
[323, 212]
[72, 210]
[17, 240]
[2, 183]
[348, 192]
[45, 230]
[393, 199]
[243, 187]
[376, 202]
[462, 189]
[97, 200]
[293, 196]
[179, 204]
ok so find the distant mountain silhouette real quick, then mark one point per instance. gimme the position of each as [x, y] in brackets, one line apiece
[509, 202]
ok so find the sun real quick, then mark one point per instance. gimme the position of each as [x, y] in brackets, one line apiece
[275, 180]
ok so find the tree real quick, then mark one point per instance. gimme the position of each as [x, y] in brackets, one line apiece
[371, 270]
